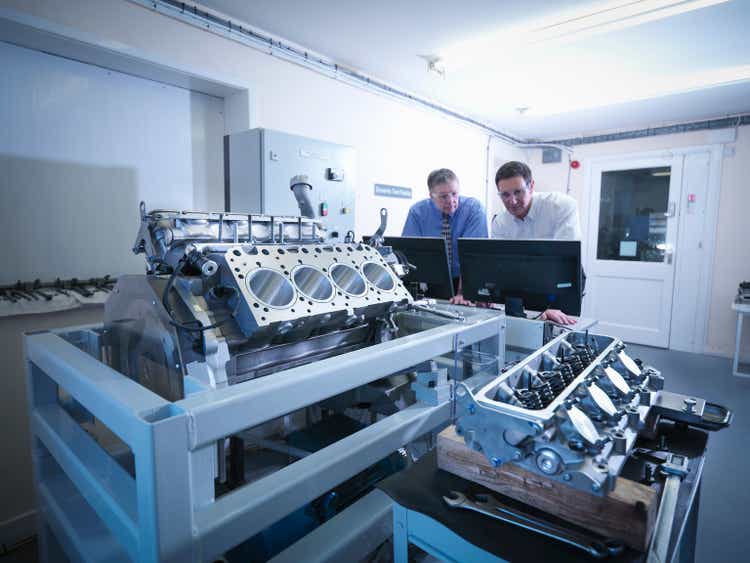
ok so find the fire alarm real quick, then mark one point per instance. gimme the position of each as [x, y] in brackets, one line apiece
[575, 164]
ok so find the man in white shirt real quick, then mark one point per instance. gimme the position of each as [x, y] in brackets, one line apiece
[530, 215]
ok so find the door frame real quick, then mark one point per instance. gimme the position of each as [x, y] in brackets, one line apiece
[701, 307]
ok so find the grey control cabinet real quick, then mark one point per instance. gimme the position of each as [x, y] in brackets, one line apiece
[259, 164]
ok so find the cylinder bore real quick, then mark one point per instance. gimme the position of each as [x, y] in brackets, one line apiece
[270, 288]
[378, 276]
[312, 283]
[348, 280]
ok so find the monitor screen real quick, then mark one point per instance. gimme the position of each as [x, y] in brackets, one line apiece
[543, 274]
[432, 276]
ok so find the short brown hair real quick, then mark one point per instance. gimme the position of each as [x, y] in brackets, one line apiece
[511, 170]
[440, 176]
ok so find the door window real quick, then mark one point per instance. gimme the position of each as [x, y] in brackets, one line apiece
[633, 213]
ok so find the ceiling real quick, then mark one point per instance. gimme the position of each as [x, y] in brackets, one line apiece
[539, 69]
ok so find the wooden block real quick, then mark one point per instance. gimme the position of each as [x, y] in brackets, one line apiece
[628, 512]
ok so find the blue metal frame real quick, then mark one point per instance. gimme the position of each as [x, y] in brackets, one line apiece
[95, 510]
[410, 526]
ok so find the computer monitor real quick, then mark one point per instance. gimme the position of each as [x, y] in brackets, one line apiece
[542, 274]
[432, 276]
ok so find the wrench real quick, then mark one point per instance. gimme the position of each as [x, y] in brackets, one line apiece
[490, 506]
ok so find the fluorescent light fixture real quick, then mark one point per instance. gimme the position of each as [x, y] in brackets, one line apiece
[667, 173]
[550, 90]
[566, 27]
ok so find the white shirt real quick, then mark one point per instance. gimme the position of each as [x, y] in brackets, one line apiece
[552, 215]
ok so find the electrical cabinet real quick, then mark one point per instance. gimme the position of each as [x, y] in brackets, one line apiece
[260, 163]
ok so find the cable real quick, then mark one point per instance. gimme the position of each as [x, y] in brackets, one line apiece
[201, 328]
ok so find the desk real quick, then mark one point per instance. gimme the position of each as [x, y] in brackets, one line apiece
[742, 308]
[420, 517]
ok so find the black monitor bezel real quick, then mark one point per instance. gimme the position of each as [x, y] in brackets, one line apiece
[475, 276]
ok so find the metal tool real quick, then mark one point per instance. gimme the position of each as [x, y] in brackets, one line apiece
[7, 295]
[36, 288]
[490, 506]
[78, 287]
[674, 467]
[439, 312]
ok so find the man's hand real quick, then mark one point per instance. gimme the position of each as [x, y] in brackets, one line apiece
[458, 299]
[557, 316]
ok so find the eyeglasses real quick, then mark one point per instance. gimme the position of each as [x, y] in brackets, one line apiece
[516, 194]
[445, 197]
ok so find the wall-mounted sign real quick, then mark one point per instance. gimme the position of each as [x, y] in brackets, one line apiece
[392, 191]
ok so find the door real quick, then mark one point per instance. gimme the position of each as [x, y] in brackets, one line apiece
[631, 240]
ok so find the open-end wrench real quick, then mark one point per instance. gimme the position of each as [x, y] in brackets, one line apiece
[490, 506]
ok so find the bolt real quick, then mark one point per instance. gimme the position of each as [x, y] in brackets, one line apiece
[496, 462]
[459, 431]
[690, 405]
[567, 477]
[472, 409]
[518, 456]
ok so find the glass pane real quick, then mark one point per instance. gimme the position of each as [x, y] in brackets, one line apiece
[632, 221]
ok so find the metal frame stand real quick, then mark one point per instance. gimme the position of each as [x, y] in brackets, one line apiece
[92, 509]
[410, 526]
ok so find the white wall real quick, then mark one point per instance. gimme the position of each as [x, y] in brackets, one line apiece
[732, 253]
[80, 147]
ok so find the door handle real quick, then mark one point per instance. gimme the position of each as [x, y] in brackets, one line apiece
[669, 253]
[671, 209]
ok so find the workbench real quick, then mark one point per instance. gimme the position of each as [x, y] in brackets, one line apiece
[421, 517]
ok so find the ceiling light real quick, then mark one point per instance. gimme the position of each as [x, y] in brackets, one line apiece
[574, 92]
[568, 26]
[666, 173]
[618, 15]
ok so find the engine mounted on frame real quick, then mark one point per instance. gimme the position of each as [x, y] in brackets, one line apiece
[242, 296]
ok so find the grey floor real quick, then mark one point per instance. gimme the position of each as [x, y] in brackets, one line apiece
[723, 531]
